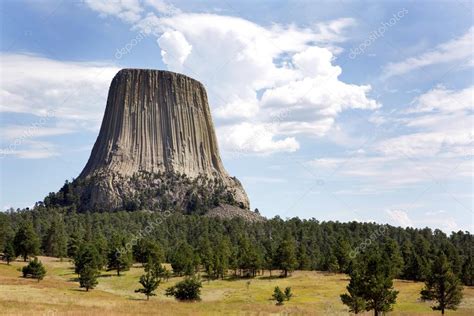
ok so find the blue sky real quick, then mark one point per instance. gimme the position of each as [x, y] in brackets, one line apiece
[337, 110]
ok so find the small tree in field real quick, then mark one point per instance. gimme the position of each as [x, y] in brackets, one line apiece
[88, 277]
[26, 241]
[187, 290]
[278, 295]
[9, 252]
[442, 286]
[149, 283]
[34, 269]
[371, 285]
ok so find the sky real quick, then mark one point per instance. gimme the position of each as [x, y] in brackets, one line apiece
[333, 110]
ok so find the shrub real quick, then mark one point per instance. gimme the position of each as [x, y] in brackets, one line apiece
[187, 290]
[278, 296]
[34, 269]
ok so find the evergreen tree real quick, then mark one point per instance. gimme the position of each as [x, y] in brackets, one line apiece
[87, 255]
[55, 242]
[392, 256]
[286, 255]
[278, 295]
[343, 248]
[222, 257]
[73, 244]
[354, 300]
[333, 264]
[150, 283]
[88, 277]
[304, 262]
[206, 256]
[118, 258]
[371, 280]
[467, 270]
[146, 250]
[34, 269]
[9, 252]
[183, 261]
[187, 290]
[442, 286]
[26, 241]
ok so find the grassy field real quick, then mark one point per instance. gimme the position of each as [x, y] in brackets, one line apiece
[315, 293]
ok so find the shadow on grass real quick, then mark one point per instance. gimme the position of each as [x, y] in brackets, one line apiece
[273, 277]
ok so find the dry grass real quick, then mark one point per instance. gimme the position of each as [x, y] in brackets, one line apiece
[315, 293]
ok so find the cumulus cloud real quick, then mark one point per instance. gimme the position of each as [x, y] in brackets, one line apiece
[455, 50]
[253, 71]
[400, 217]
[246, 138]
[174, 49]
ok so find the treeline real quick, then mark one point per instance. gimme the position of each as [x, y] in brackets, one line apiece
[217, 246]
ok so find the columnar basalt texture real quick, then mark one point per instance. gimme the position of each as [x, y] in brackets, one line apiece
[156, 122]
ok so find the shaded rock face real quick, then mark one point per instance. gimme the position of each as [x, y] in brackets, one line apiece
[155, 122]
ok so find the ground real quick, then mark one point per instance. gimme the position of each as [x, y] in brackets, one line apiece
[315, 293]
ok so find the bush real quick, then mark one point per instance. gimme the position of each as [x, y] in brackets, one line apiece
[187, 290]
[280, 297]
[34, 269]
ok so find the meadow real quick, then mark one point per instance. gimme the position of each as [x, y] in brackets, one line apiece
[315, 293]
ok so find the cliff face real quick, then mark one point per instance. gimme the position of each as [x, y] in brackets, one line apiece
[155, 122]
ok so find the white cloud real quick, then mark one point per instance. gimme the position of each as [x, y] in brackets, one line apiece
[31, 149]
[400, 217]
[127, 10]
[163, 7]
[435, 144]
[246, 138]
[174, 49]
[252, 71]
[455, 50]
[69, 93]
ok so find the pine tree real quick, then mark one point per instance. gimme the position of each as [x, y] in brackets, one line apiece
[87, 255]
[34, 269]
[222, 257]
[442, 286]
[150, 283]
[342, 250]
[88, 277]
[393, 256]
[206, 255]
[9, 252]
[183, 261]
[286, 255]
[278, 295]
[187, 290]
[55, 242]
[354, 300]
[303, 258]
[467, 270]
[371, 280]
[146, 250]
[333, 264]
[26, 241]
[116, 259]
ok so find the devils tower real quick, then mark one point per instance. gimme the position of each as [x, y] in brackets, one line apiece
[156, 148]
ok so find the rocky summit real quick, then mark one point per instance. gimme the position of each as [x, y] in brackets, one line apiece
[156, 148]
